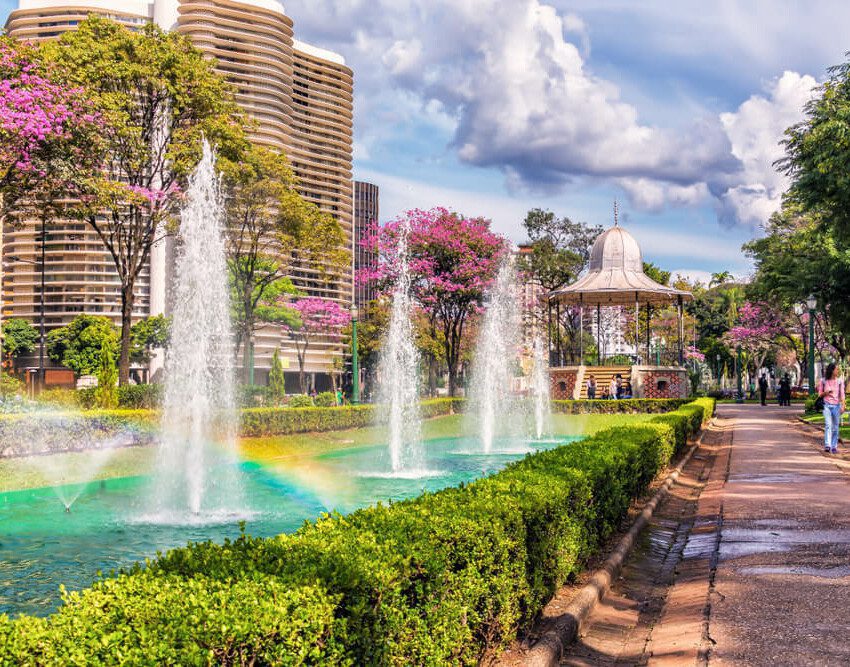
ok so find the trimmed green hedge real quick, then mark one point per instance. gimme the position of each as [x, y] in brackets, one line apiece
[433, 580]
[626, 405]
[284, 421]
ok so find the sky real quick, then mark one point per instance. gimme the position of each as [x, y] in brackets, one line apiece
[494, 107]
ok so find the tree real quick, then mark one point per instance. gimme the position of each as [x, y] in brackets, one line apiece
[147, 335]
[269, 227]
[106, 394]
[80, 344]
[19, 338]
[452, 260]
[817, 154]
[50, 133]
[158, 97]
[560, 249]
[758, 328]
[657, 274]
[316, 317]
[277, 379]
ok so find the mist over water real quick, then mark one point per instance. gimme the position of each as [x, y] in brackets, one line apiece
[196, 477]
[398, 373]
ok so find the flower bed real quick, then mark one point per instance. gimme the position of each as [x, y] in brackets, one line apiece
[433, 580]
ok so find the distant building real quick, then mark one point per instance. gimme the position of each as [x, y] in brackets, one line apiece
[366, 213]
[300, 98]
[533, 302]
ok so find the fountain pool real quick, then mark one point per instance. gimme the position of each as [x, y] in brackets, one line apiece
[42, 546]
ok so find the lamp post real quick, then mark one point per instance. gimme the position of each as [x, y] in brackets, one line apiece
[41, 336]
[355, 370]
[811, 303]
[717, 367]
[739, 363]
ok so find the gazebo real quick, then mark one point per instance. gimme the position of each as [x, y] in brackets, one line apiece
[615, 279]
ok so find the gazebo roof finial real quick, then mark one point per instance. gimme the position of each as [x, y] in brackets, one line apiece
[616, 213]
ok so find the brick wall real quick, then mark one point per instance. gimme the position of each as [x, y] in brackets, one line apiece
[664, 383]
[562, 383]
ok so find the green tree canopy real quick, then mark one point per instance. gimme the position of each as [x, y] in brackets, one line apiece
[79, 345]
[158, 97]
[147, 335]
[19, 337]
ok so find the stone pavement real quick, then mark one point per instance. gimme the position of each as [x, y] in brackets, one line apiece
[746, 563]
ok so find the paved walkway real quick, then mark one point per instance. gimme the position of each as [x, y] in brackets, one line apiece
[747, 563]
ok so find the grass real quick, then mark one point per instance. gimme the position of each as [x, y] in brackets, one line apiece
[843, 430]
[296, 453]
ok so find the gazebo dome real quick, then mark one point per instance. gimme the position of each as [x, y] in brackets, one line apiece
[615, 248]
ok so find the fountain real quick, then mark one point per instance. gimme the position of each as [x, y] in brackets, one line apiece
[196, 477]
[398, 373]
[494, 406]
[540, 390]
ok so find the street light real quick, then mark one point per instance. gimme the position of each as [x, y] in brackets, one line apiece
[811, 304]
[355, 370]
[717, 367]
[41, 337]
[738, 369]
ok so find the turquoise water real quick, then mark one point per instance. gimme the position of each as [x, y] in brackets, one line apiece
[42, 546]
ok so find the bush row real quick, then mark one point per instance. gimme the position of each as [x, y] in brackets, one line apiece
[437, 579]
[626, 405]
[283, 421]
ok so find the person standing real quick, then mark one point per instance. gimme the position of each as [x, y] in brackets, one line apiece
[591, 387]
[831, 389]
[763, 388]
[785, 390]
[614, 387]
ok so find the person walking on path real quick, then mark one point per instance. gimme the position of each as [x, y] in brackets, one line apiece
[831, 389]
[785, 390]
[763, 388]
[591, 387]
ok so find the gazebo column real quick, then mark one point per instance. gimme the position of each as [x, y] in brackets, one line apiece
[598, 334]
[580, 329]
[648, 331]
[681, 331]
[558, 332]
[637, 329]
[549, 330]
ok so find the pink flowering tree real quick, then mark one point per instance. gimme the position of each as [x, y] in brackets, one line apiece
[50, 134]
[452, 260]
[756, 331]
[315, 318]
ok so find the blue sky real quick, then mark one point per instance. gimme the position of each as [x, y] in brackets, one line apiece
[492, 107]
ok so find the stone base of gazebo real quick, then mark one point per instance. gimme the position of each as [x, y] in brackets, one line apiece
[567, 382]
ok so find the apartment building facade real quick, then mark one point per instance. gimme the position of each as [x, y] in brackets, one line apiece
[366, 214]
[300, 98]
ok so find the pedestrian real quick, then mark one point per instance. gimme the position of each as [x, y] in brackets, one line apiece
[785, 390]
[614, 387]
[831, 389]
[591, 387]
[627, 389]
[339, 400]
[763, 388]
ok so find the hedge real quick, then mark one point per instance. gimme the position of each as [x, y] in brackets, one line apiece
[626, 405]
[284, 421]
[437, 579]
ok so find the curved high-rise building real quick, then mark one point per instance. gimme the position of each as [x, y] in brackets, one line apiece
[300, 101]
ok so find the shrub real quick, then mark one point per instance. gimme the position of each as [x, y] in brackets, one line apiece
[627, 405]
[60, 397]
[252, 395]
[140, 396]
[10, 385]
[436, 579]
[164, 619]
[326, 399]
[300, 401]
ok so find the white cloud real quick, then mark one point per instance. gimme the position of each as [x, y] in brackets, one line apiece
[509, 86]
[755, 130]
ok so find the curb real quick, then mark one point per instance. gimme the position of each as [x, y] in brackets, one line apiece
[549, 648]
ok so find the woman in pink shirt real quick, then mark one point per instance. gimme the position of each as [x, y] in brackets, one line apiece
[831, 388]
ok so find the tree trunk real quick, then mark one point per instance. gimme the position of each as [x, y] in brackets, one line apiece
[432, 375]
[127, 299]
[247, 349]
